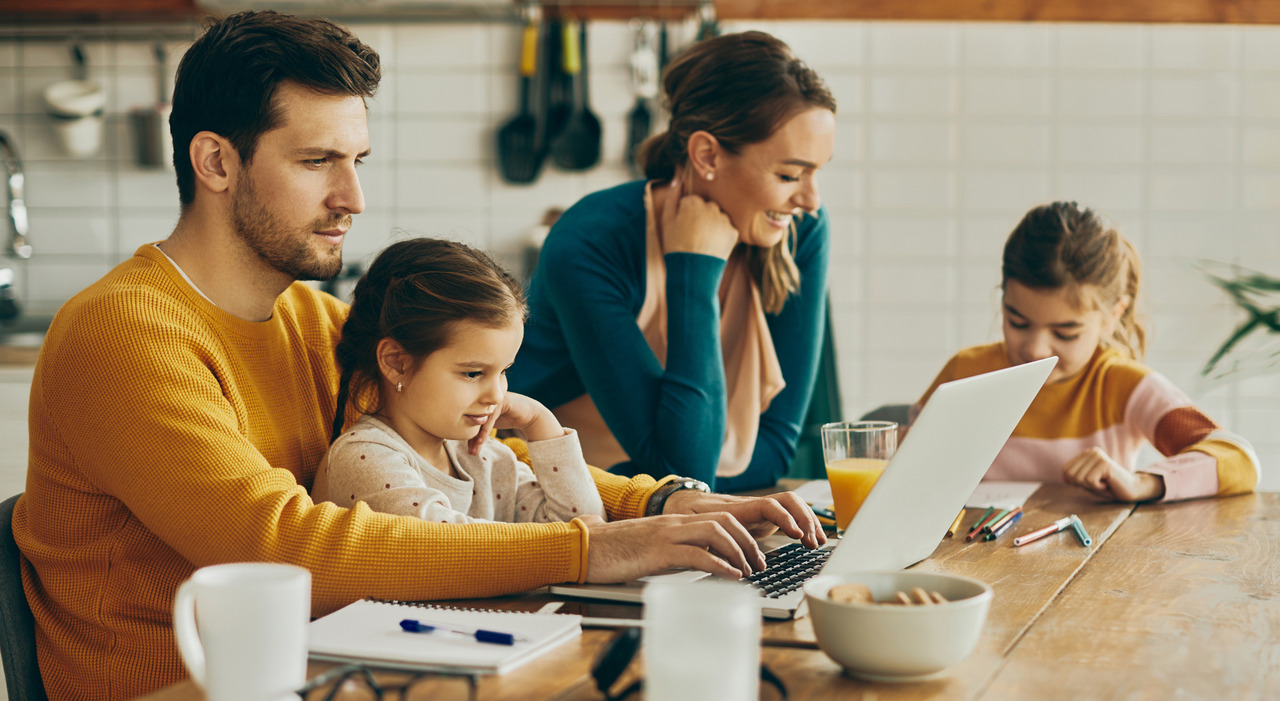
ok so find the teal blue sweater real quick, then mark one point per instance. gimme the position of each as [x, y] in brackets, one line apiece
[582, 337]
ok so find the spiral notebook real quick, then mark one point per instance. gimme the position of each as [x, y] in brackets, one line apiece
[368, 631]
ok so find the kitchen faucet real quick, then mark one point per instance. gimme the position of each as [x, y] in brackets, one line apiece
[17, 208]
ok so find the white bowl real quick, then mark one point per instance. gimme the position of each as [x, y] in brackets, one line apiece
[884, 642]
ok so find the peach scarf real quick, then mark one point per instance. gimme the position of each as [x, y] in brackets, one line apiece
[753, 376]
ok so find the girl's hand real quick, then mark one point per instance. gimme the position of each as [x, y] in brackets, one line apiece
[519, 412]
[691, 224]
[1095, 471]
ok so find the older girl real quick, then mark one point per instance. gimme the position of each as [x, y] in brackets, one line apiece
[675, 322]
[1070, 290]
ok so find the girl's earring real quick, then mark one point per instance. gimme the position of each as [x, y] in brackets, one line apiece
[400, 386]
[710, 175]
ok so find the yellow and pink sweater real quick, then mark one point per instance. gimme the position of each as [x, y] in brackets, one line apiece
[167, 435]
[1116, 404]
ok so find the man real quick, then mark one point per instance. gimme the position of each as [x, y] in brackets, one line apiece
[180, 404]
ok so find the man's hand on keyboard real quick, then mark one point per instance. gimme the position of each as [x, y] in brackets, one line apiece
[760, 515]
[715, 542]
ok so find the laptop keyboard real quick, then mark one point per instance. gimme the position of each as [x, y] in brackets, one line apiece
[787, 569]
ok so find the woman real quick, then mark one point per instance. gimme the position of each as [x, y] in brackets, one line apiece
[675, 322]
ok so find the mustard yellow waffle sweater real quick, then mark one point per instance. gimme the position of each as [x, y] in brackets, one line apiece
[168, 435]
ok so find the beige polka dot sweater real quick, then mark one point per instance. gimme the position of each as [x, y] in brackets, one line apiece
[372, 463]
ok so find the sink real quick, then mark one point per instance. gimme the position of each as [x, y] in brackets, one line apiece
[24, 332]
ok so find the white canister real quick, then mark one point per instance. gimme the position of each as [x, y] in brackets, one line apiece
[76, 109]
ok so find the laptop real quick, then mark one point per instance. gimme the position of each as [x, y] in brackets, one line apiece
[943, 458]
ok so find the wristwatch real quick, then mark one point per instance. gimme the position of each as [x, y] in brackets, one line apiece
[658, 500]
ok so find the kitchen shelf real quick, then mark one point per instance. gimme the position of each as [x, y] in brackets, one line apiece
[24, 13]
[64, 11]
[1146, 11]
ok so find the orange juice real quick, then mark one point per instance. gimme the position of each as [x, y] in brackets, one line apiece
[851, 481]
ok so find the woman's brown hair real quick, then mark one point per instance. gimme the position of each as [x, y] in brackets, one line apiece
[414, 293]
[740, 88]
[1064, 245]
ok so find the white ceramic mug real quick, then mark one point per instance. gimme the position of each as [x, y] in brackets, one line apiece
[242, 630]
[701, 641]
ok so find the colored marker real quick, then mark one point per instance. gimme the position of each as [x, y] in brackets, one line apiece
[977, 526]
[1000, 529]
[991, 527]
[955, 525]
[986, 527]
[1081, 533]
[1050, 529]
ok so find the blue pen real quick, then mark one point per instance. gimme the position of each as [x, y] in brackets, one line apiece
[1081, 533]
[409, 625]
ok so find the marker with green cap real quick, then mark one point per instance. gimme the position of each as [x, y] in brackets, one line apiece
[1081, 533]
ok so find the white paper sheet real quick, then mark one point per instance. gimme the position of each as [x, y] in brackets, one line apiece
[816, 493]
[1001, 495]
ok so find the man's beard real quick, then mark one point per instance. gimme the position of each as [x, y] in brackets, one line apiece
[290, 252]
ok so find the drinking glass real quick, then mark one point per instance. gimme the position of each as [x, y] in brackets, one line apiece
[701, 641]
[856, 453]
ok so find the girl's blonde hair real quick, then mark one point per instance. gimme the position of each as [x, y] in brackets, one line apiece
[414, 293]
[740, 88]
[1063, 245]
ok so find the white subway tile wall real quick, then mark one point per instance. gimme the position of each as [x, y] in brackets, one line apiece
[947, 134]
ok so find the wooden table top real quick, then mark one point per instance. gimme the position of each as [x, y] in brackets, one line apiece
[1171, 601]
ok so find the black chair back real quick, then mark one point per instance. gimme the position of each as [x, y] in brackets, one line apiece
[17, 627]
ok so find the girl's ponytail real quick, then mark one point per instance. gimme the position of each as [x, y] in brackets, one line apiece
[340, 413]
[1131, 332]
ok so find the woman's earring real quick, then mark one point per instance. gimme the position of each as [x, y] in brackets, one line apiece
[710, 176]
[400, 386]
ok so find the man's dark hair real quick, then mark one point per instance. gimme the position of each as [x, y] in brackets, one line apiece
[228, 78]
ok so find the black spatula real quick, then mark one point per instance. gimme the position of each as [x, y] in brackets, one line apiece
[578, 145]
[518, 153]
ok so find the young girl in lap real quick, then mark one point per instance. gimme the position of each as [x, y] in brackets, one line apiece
[432, 329]
[1070, 283]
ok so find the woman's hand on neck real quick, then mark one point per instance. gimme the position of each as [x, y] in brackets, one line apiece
[690, 223]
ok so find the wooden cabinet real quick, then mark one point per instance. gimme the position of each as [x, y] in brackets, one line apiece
[1154, 11]
[96, 10]
[1189, 11]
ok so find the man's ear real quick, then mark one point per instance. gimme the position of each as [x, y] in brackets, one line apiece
[393, 361]
[704, 155]
[214, 161]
